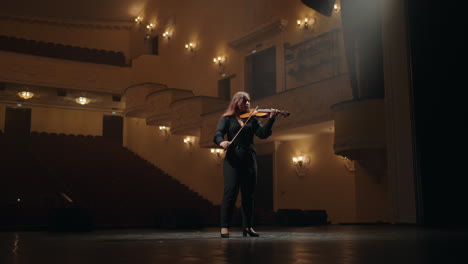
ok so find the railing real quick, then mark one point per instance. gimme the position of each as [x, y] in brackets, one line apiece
[60, 51]
[313, 60]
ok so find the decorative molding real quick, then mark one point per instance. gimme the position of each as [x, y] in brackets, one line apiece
[135, 98]
[349, 164]
[314, 59]
[47, 97]
[135, 111]
[207, 128]
[309, 106]
[63, 106]
[157, 107]
[187, 113]
[148, 85]
[50, 72]
[359, 127]
[69, 22]
[271, 27]
[61, 51]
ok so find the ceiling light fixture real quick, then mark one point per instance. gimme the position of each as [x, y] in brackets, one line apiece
[82, 100]
[26, 94]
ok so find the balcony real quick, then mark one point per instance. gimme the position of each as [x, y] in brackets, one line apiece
[158, 105]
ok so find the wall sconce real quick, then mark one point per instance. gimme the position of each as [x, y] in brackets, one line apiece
[189, 141]
[218, 153]
[138, 19]
[82, 100]
[191, 46]
[301, 163]
[336, 8]
[166, 131]
[220, 60]
[306, 23]
[150, 26]
[167, 34]
[26, 94]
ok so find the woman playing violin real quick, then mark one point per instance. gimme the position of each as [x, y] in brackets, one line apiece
[240, 165]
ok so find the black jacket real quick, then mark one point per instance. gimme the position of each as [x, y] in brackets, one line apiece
[229, 125]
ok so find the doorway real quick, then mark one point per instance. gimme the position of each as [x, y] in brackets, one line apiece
[261, 74]
[264, 190]
[112, 128]
[18, 121]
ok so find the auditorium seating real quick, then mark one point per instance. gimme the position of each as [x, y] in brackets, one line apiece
[60, 51]
[110, 183]
[109, 186]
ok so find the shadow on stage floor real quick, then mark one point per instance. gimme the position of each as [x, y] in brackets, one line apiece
[320, 244]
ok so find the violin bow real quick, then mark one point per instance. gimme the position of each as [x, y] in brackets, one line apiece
[251, 114]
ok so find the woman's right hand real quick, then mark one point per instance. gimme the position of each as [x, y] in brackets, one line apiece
[225, 144]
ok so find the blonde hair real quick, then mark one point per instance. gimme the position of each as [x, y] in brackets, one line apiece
[236, 100]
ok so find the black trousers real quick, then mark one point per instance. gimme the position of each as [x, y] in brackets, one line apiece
[239, 173]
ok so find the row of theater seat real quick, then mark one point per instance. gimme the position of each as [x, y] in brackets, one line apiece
[60, 51]
[104, 180]
[115, 185]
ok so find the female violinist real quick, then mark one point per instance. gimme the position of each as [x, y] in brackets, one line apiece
[240, 165]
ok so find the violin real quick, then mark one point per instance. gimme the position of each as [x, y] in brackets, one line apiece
[262, 113]
[259, 113]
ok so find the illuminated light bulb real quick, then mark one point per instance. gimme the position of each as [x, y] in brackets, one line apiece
[138, 19]
[82, 100]
[25, 94]
[336, 8]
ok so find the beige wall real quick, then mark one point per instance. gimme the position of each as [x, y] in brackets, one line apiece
[372, 198]
[55, 120]
[327, 185]
[347, 196]
[197, 169]
[49, 72]
[60, 120]
[212, 24]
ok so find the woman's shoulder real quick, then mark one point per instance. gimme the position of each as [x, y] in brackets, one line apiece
[227, 117]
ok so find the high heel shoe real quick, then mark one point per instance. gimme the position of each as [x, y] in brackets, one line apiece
[246, 231]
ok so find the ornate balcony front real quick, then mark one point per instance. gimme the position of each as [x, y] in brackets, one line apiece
[135, 98]
[186, 114]
[309, 107]
[63, 74]
[157, 107]
[360, 132]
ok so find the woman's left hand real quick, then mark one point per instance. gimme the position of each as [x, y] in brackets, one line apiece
[274, 112]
